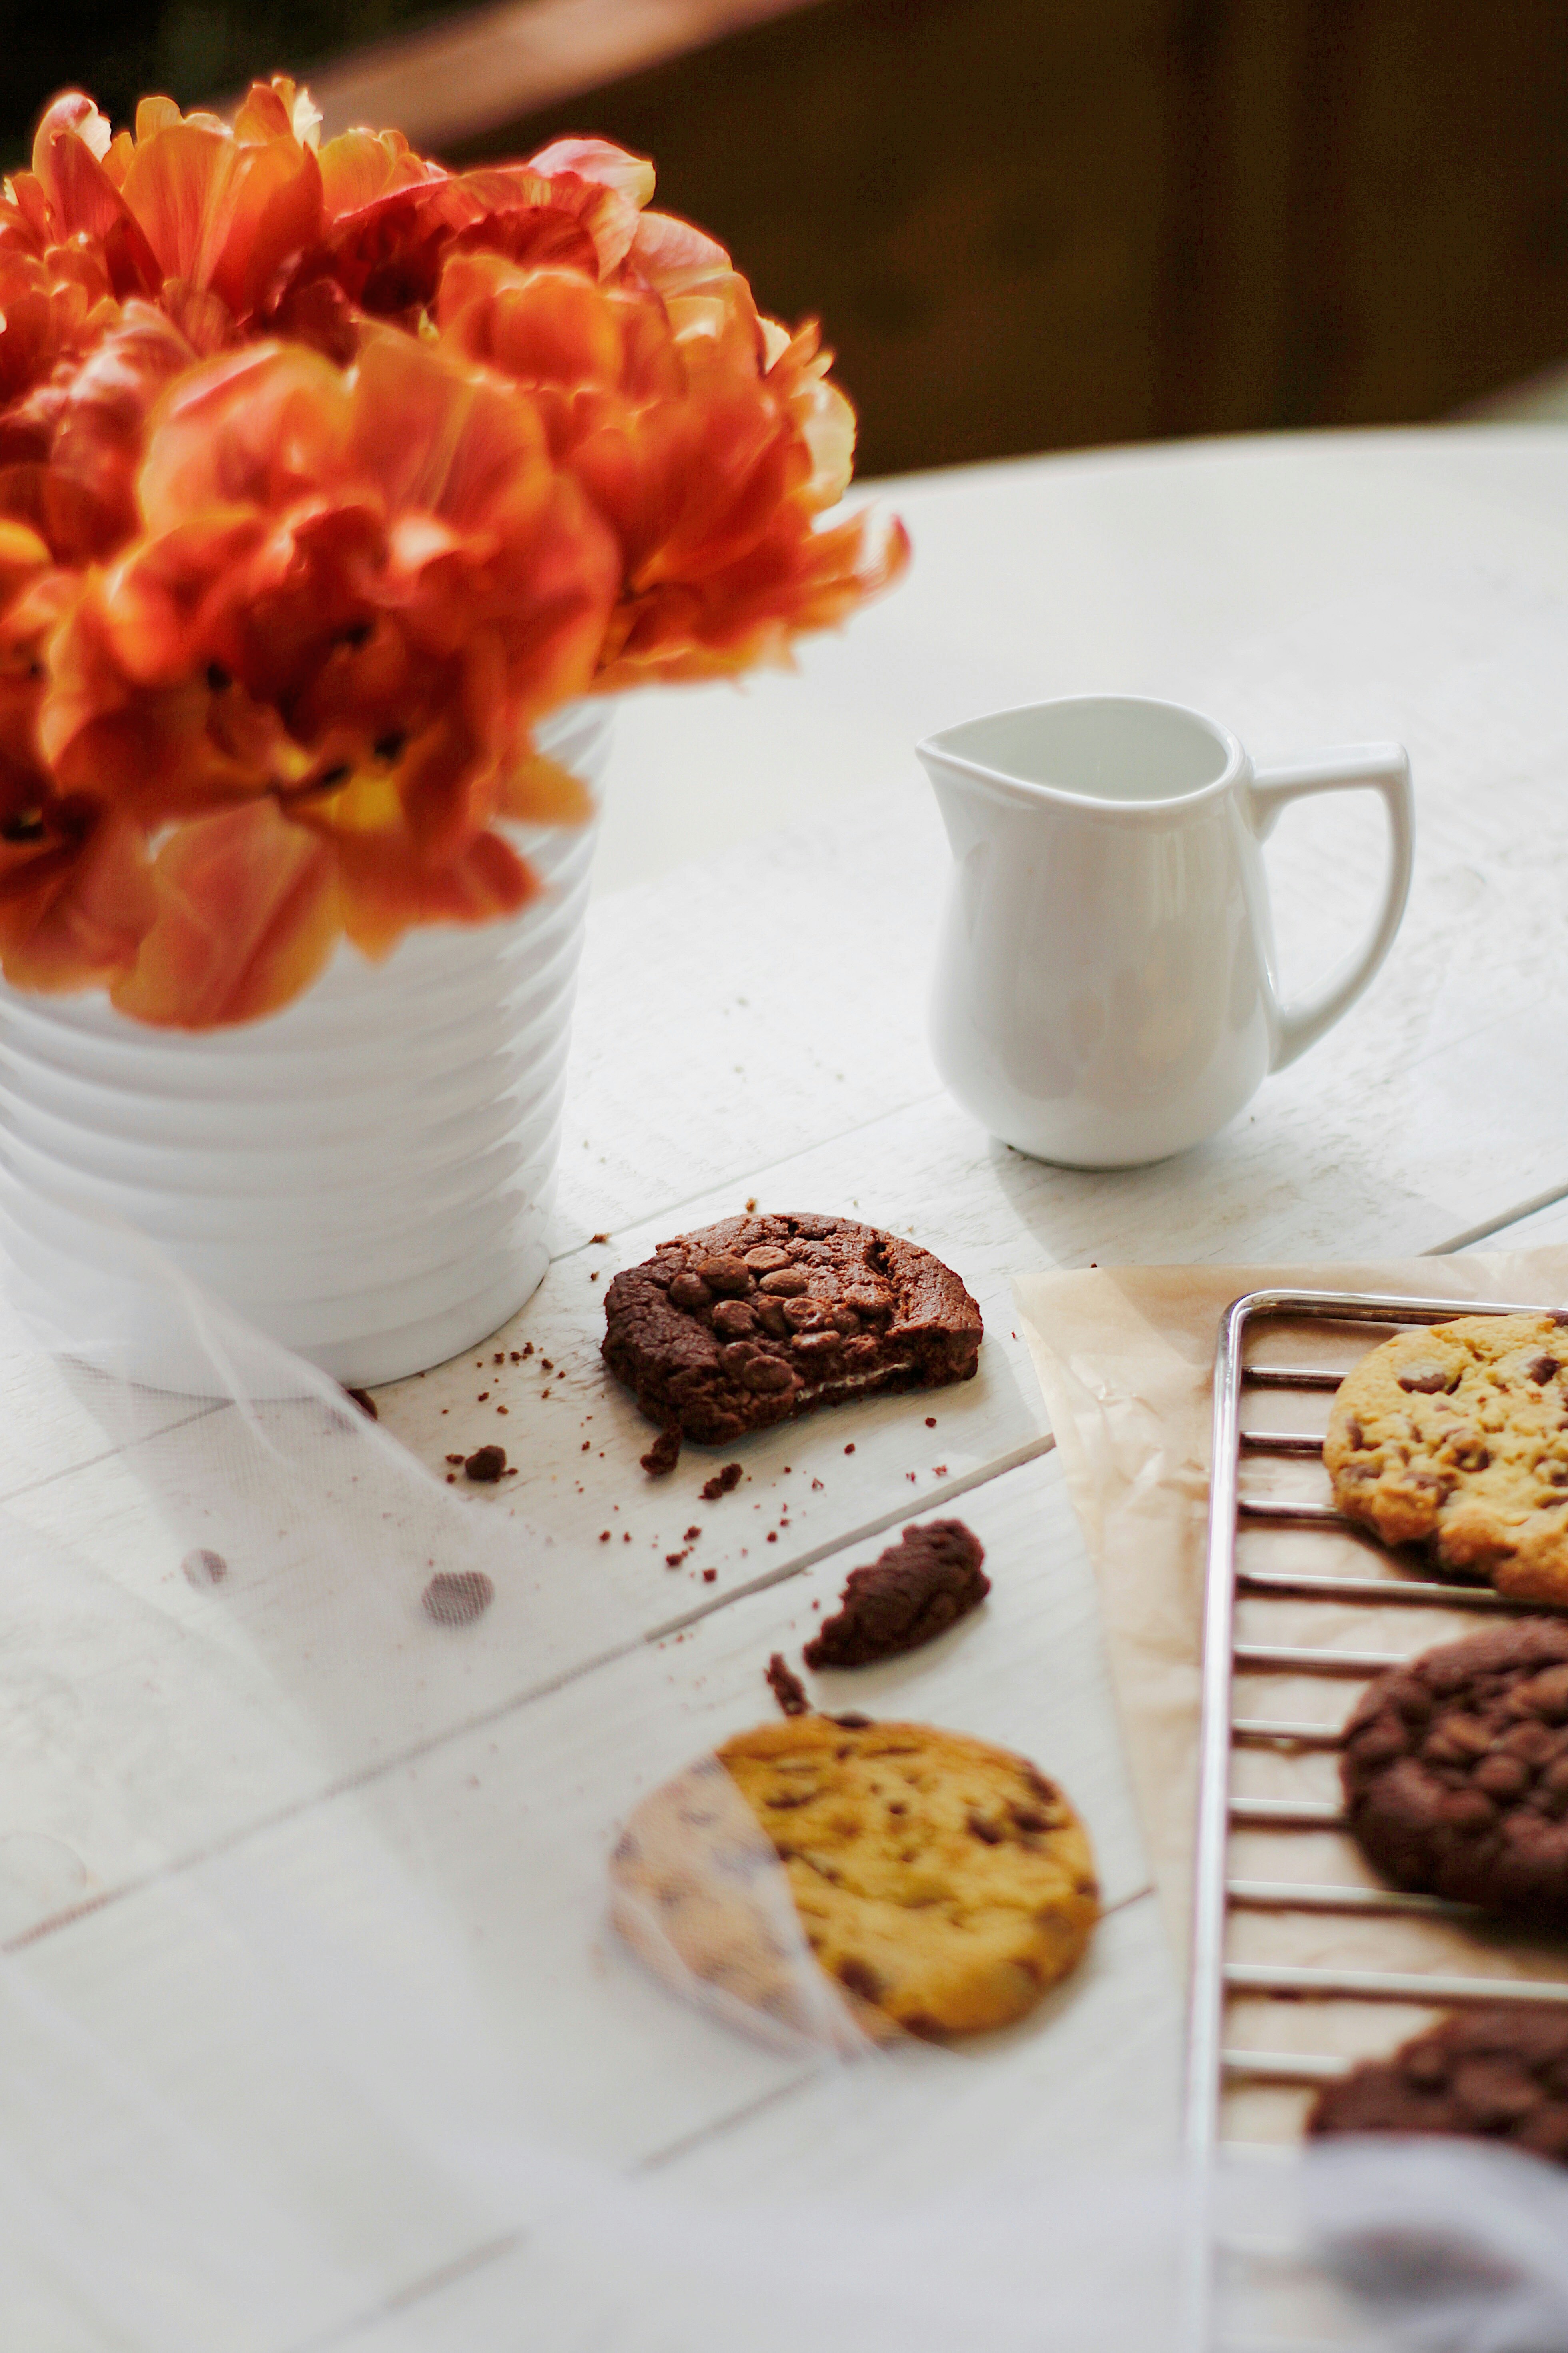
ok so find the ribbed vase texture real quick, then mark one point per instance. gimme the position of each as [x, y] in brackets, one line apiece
[367, 1175]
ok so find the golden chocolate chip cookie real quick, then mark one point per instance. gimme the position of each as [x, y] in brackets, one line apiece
[1457, 1437]
[943, 1882]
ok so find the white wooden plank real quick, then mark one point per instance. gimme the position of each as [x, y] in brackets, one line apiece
[326, 2011]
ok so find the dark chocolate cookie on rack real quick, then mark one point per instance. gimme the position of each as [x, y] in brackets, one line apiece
[1487, 2074]
[1456, 1437]
[1456, 1771]
[758, 1318]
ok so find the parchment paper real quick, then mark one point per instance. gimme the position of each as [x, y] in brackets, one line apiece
[1125, 1357]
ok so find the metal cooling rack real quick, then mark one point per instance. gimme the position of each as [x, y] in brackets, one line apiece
[1215, 1893]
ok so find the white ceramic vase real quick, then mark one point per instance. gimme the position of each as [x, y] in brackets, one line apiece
[367, 1176]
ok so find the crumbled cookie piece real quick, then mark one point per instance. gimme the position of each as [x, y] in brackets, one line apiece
[1487, 2074]
[486, 1464]
[786, 1686]
[722, 1482]
[757, 1319]
[907, 1596]
[1456, 1437]
[1456, 1771]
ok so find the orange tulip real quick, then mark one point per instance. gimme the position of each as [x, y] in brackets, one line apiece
[708, 438]
[352, 597]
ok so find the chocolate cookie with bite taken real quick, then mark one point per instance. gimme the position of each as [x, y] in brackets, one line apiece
[760, 1318]
[1456, 1771]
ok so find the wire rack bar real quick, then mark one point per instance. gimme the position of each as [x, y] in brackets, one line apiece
[1434, 1986]
[1288, 1515]
[1285, 2066]
[1267, 1732]
[1310, 1585]
[1286, 1814]
[1394, 1902]
[1298, 1659]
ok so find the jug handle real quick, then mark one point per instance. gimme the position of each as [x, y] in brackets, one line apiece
[1355, 767]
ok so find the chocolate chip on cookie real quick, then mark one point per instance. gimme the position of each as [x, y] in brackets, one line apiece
[943, 1884]
[761, 1318]
[1456, 1437]
[1456, 1771]
[910, 1594]
[1489, 2074]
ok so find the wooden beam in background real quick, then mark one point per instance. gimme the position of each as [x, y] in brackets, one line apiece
[457, 80]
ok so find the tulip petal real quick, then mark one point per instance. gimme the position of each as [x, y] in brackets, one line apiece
[539, 791]
[597, 159]
[74, 911]
[247, 916]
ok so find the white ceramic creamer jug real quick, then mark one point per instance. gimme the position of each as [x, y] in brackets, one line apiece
[1106, 988]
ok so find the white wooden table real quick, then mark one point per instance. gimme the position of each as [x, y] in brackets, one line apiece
[750, 1027]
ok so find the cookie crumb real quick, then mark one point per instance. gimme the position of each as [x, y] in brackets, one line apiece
[722, 1482]
[708, 1574]
[673, 1559]
[456, 1597]
[600, 1238]
[751, 1201]
[486, 1464]
[203, 1568]
[691, 1535]
[664, 1453]
[786, 1686]
[365, 1401]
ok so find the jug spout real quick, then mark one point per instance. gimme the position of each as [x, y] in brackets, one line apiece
[959, 798]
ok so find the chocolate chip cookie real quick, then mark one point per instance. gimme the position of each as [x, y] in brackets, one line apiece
[1456, 1437]
[1456, 1771]
[943, 1884]
[1490, 2074]
[758, 1318]
[908, 1595]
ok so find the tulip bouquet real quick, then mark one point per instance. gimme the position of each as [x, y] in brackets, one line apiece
[325, 475]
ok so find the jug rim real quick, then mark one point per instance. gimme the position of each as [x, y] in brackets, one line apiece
[934, 749]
